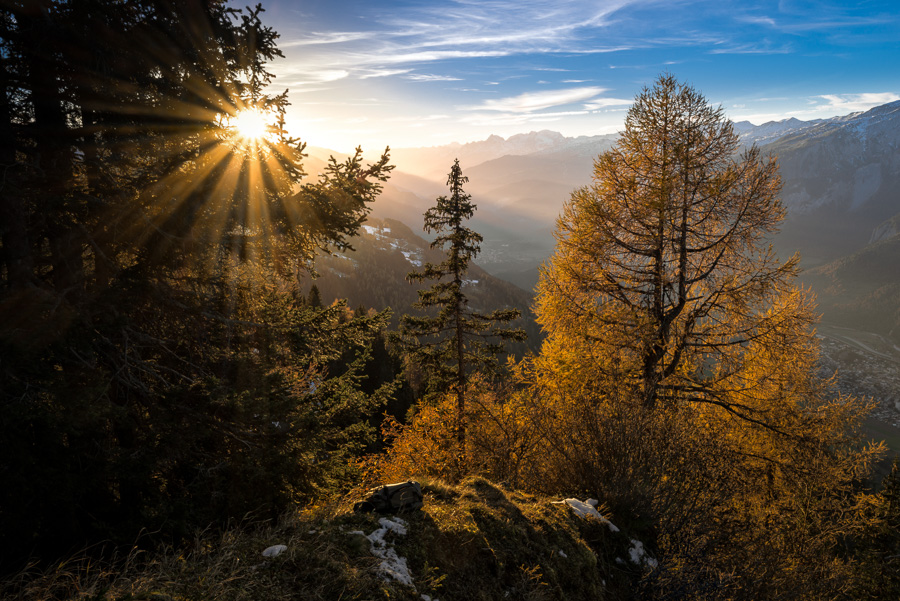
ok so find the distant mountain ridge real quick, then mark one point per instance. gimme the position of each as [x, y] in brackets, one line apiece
[771, 130]
[841, 186]
[547, 141]
[841, 180]
[434, 162]
[840, 176]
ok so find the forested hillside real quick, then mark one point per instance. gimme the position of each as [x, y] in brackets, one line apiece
[209, 351]
[374, 275]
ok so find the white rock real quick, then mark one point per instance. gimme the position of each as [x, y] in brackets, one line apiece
[274, 551]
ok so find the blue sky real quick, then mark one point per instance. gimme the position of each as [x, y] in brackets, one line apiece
[421, 73]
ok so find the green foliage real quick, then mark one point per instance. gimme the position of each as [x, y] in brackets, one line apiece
[159, 368]
[162, 370]
[374, 275]
[206, 417]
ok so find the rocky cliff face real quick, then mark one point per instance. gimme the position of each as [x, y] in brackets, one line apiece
[841, 180]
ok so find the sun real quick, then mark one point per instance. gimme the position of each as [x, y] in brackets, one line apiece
[251, 125]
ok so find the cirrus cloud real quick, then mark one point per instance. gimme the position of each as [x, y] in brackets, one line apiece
[530, 102]
[430, 77]
[857, 102]
[602, 103]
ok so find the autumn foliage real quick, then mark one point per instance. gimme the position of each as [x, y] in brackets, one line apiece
[678, 381]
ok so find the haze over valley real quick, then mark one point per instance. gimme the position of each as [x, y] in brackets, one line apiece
[841, 186]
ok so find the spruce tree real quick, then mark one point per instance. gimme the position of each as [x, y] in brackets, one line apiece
[159, 370]
[456, 340]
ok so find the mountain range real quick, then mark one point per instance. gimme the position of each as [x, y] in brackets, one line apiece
[841, 186]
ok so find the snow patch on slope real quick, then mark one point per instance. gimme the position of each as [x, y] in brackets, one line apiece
[588, 509]
[392, 566]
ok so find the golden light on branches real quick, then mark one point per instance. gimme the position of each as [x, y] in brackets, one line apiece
[193, 153]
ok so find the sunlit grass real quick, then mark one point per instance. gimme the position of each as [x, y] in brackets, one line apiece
[473, 540]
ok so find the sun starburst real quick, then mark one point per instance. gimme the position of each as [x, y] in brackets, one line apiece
[251, 125]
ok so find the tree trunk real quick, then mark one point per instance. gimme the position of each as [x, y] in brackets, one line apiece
[13, 223]
[460, 383]
[54, 153]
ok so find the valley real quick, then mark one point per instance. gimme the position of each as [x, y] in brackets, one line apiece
[866, 365]
[840, 188]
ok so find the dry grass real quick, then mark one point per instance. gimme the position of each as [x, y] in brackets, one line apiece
[473, 541]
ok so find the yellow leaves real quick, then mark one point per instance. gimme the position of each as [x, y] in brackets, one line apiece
[426, 446]
[500, 439]
[679, 370]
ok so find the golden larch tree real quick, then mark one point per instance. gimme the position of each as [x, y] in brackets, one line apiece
[678, 381]
[663, 261]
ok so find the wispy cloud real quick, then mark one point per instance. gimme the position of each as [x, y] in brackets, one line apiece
[530, 102]
[331, 37]
[479, 60]
[757, 20]
[400, 57]
[806, 22]
[329, 75]
[460, 29]
[508, 24]
[843, 103]
[300, 75]
[755, 47]
[429, 77]
[602, 103]
[370, 73]
[823, 106]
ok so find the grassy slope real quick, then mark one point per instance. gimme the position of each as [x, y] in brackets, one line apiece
[470, 542]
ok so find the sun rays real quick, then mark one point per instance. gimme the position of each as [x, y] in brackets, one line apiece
[234, 200]
[251, 125]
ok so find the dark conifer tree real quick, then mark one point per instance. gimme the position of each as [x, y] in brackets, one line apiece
[315, 297]
[454, 340]
[158, 367]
